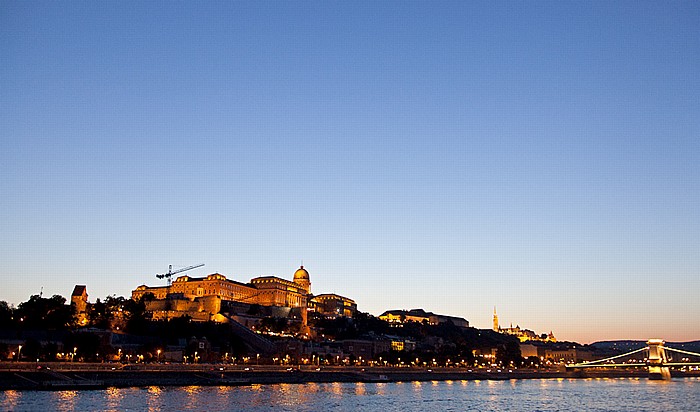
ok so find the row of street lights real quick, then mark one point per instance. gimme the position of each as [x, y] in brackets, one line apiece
[315, 359]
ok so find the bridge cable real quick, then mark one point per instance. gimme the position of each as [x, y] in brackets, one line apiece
[614, 357]
[682, 351]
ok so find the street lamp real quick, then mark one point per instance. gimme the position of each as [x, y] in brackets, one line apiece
[19, 353]
[158, 355]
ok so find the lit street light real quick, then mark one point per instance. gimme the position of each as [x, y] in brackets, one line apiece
[19, 353]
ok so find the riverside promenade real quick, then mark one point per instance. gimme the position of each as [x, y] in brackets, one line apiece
[63, 376]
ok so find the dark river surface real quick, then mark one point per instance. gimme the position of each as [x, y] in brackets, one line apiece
[624, 394]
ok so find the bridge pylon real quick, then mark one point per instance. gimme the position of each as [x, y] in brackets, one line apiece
[657, 360]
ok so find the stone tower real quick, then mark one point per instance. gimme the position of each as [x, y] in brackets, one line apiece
[79, 300]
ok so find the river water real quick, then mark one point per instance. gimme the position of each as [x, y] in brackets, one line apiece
[627, 394]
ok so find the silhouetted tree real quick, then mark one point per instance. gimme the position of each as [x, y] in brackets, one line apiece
[510, 352]
[31, 349]
[87, 344]
[6, 315]
[43, 313]
[99, 316]
[137, 319]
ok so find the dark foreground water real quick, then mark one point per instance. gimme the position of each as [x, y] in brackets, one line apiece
[517, 395]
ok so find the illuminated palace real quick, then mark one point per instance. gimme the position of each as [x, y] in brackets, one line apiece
[399, 317]
[202, 299]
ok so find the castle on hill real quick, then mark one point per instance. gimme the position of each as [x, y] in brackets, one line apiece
[205, 298]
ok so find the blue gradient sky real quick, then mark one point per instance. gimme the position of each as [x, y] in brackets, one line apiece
[542, 157]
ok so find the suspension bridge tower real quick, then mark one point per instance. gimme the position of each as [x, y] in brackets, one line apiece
[657, 360]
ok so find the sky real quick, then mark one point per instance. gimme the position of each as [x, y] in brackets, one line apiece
[542, 158]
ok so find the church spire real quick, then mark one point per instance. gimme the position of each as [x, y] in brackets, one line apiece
[496, 327]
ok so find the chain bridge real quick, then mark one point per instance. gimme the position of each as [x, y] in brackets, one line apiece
[658, 360]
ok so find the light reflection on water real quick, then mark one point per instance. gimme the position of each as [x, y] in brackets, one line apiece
[113, 397]
[381, 389]
[360, 389]
[10, 398]
[336, 388]
[66, 400]
[546, 395]
[192, 399]
[154, 398]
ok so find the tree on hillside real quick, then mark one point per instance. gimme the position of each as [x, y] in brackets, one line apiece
[137, 319]
[99, 316]
[6, 315]
[510, 352]
[45, 313]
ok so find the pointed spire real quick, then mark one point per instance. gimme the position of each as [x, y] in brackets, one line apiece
[496, 326]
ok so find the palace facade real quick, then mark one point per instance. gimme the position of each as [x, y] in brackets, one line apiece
[421, 316]
[202, 298]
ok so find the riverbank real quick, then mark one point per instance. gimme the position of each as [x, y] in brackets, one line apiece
[98, 376]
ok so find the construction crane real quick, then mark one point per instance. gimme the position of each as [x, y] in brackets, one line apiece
[170, 273]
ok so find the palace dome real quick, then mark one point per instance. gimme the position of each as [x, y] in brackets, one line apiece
[301, 275]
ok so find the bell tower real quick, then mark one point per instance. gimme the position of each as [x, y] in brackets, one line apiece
[496, 327]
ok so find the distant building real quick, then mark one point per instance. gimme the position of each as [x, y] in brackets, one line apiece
[421, 316]
[523, 334]
[79, 300]
[529, 350]
[402, 344]
[555, 352]
[332, 306]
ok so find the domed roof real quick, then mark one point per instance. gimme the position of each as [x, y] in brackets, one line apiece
[301, 274]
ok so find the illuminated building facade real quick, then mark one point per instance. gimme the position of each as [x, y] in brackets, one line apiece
[421, 316]
[202, 298]
[331, 305]
[523, 335]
